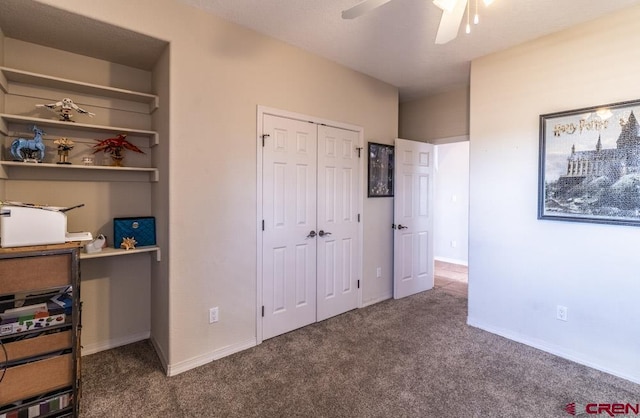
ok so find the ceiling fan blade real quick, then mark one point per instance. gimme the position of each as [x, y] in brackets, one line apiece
[450, 23]
[362, 8]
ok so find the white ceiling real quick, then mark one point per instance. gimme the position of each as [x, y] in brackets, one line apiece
[395, 42]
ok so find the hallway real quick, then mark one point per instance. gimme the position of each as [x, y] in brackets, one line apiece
[451, 278]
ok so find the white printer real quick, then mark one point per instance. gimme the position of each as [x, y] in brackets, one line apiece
[23, 224]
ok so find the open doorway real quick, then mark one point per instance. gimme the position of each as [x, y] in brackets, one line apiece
[451, 206]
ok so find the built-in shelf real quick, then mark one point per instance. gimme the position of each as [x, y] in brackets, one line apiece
[115, 252]
[27, 120]
[7, 166]
[26, 77]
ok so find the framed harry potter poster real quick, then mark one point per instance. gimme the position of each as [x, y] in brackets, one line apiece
[589, 165]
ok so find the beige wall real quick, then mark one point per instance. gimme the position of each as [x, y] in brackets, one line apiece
[437, 119]
[219, 73]
[521, 268]
[160, 203]
[1, 47]
[2, 182]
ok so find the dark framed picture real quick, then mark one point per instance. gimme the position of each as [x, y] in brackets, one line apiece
[380, 170]
[589, 167]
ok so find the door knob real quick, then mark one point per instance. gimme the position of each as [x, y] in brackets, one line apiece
[322, 233]
[311, 234]
[402, 226]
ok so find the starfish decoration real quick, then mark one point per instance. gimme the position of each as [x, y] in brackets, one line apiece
[128, 243]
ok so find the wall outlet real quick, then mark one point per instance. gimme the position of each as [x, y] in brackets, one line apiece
[213, 315]
[379, 272]
[454, 244]
[562, 312]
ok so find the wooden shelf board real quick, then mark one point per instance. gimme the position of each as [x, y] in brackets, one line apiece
[26, 77]
[70, 171]
[75, 166]
[76, 126]
[115, 252]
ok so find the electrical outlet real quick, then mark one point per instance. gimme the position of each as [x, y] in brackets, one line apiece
[454, 244]
[562, 312]
[379, 272]
[213, 315]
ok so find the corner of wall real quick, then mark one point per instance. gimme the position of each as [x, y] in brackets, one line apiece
[441, 115]
[160, 291]
[1, 47]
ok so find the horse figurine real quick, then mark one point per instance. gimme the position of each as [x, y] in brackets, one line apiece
[24, 149]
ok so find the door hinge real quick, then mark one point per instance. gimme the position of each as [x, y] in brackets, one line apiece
[393, 226]
[358, 217]
[358, 284]
[359, 149]
[263, 224]
[263, 138]
[263, 311]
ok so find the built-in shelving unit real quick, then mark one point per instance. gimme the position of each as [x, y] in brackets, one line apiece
[18, 170]
[118, 87]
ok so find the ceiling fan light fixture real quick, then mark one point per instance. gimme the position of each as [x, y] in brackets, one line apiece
[476, 18]
[445, 5]
[468, 28]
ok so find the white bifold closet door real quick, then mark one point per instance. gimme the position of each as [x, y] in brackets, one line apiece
[310, 242]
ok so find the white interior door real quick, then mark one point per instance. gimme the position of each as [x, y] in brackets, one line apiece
[310, 250]
[289, 211]
[413, 218]
[338, 230]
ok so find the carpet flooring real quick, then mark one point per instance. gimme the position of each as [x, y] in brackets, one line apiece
[414, 357]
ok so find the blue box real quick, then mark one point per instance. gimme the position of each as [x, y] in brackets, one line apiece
[142, 229]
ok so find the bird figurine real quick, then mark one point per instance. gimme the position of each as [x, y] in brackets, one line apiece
[64, 108]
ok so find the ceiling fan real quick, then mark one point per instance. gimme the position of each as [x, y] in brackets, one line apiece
[452, 13]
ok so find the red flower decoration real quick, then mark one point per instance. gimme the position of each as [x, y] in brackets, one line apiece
[116, 145]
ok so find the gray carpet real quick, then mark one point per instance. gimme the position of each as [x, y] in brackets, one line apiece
[410, 358]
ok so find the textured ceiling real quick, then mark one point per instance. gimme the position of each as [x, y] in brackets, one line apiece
[395, 42]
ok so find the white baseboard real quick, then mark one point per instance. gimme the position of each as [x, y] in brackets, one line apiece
[183, 366]
[376, 300]
[551, 348]
[161, 355]
[452, 261]
[113, 343]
